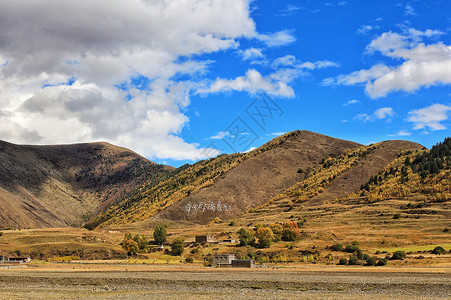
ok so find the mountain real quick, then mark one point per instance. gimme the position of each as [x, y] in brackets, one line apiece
[229, 184]
[61, 185]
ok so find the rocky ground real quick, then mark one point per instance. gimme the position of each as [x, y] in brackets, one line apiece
[222, 284]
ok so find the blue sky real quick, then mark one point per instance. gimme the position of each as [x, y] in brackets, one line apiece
[187, 80]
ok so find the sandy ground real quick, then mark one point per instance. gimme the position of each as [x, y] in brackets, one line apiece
[67, 281]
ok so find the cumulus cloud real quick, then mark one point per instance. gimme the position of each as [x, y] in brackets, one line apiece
[423, 64]
[429, 117]
[379, 114]
[68, 69]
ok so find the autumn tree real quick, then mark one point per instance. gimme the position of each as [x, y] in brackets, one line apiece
[129, 245]
[265, 237]
[290, 231]
[246, 237]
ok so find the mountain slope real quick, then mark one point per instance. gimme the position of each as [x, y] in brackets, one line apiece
[49, 186]
[229, 184]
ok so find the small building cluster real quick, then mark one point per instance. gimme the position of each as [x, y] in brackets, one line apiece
[228, 260]
[15, 260]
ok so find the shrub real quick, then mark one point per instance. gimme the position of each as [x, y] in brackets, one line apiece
[265, 237]
[246, 237]
[1, 233]
[396, 216]
[371, 261]
[337, 247]
[194, 250]
[355, 243]
[438, 250]
[232, 223]
[381, 262]
[399, 255]
[353, 260]
[189, 260]
[343, 261]
[177, 246]
[160, 234]
[351, 249]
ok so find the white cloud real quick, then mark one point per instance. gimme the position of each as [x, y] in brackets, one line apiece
[287, 60]
[252, 53]
[275, 83]
[103, 44]
[288, 10]
[423, 66]
[409, 10]
[278, 133]
[365, 29]
[252, 82]
[401, 133]
[429, 117]
[277, 39]
[221, 135]
[351, 102]
[379, 114]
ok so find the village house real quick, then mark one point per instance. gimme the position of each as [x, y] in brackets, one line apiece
[203, 239]
[230, 241]
[242, 263]
[223, 260]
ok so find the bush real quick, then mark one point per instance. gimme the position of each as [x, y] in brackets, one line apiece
[355, 243]
[438, 250]
[351, 249]
[381, 262]
[232, 223]
[396, 216]
[371, 261]
[399, 255]
[337, 247]
[343, 261]
[246, 237]
[194, 250]
[160, 234]
[1, 233]
[353, 260]
[189, 260]
[177, 246]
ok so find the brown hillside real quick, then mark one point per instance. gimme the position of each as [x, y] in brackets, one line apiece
[48, 186]
[351, 180]
[257, 179]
